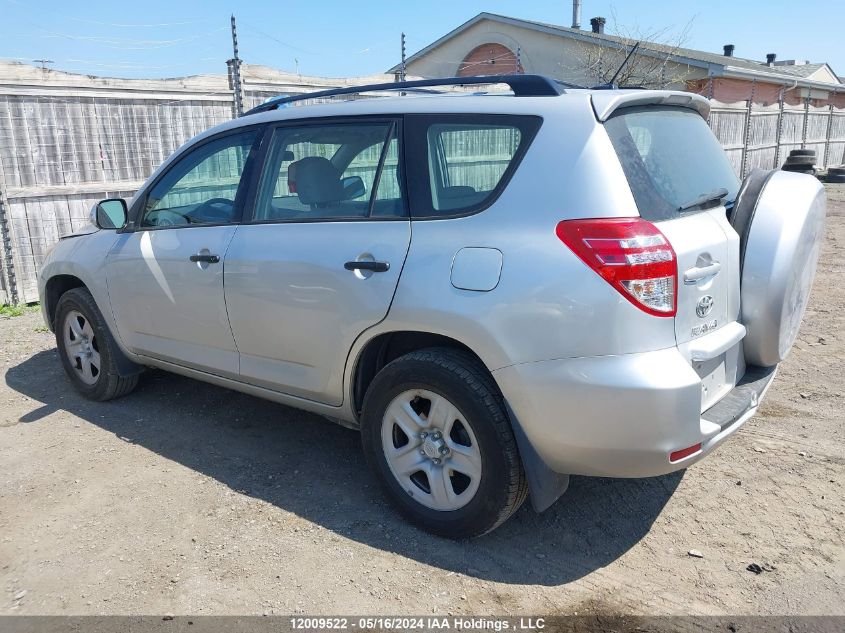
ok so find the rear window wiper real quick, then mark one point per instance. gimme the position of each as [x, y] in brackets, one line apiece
[713, 196]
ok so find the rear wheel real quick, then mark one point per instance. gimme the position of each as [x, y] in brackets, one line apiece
[435, 432]
[87, 349]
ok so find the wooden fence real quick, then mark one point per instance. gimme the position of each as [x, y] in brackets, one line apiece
[67, 141]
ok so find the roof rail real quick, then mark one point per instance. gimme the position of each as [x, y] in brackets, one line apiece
[522, 86]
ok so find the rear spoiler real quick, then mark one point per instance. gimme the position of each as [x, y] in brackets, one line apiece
[606, 103]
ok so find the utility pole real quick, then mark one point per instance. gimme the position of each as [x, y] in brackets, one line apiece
[402, 68]
[235, 72]
[43, 62]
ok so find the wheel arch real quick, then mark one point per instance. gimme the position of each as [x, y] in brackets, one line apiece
[385, 347]
[54, 288]
[545, 485]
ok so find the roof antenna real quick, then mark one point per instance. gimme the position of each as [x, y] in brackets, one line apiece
[612, 83]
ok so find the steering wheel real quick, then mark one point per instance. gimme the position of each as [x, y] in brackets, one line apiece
[165, 217]
[211, 208]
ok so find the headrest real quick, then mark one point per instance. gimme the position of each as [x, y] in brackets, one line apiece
[315, 180]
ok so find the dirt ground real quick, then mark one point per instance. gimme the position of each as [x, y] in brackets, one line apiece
[188, 499]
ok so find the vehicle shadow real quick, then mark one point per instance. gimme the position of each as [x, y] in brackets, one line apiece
[318, 473]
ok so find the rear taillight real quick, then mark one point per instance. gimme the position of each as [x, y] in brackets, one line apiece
[632, 255]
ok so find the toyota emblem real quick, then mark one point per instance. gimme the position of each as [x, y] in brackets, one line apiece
[705, 306]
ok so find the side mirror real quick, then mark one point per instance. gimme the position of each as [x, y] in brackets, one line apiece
[110, 214]
[353, 187]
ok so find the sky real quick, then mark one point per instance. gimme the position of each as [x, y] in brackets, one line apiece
[342, 38]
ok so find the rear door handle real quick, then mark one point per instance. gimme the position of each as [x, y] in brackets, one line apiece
[698, 273]
[376, 267]
[210, 259]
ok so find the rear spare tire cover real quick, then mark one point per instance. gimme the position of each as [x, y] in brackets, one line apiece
[780, 253]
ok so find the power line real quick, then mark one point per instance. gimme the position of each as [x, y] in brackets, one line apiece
[136, 26]
[249, 27]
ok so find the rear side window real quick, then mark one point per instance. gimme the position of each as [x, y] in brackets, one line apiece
[670, 158]
[468, 160]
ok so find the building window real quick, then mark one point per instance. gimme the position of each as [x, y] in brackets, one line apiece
[489, 59]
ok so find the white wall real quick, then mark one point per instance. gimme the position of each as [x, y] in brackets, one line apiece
[541, 53]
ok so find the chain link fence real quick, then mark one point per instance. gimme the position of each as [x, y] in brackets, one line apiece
[761, 136]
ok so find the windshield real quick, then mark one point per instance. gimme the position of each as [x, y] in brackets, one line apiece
[672, 160]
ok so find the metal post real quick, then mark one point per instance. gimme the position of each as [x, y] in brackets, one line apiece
[779, 129]
[806, 120]
[709, 96]
[518, 59]
[402, 73]
[829, 131]
[236, 72]
[747, 138]
[6, 248]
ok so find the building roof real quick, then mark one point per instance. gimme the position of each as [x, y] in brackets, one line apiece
[806, 69]
[716, 63]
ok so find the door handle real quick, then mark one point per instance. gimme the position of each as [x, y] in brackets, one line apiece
[209, 259]
[698, 273]
[376, 267]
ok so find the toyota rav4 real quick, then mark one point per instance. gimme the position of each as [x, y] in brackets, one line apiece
[497, 290]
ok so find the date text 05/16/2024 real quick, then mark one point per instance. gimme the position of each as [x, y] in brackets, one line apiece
[457, 623]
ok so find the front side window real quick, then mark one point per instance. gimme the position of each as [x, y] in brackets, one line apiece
[330, 171]
[202, 187]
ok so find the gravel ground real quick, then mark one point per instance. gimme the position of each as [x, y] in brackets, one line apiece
[188, 499]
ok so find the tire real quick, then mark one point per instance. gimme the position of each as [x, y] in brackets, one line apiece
[803, 152]
[409, 391]
[87, 349]
[745, 205]
[800, 169]
[837, 178]
[808, 161]
[779, 256]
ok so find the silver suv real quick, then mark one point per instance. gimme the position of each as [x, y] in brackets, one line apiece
[497, 290]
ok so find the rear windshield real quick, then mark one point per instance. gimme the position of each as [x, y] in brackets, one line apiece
[671, 159]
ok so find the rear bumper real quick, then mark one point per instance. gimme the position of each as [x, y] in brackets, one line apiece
[622, 416]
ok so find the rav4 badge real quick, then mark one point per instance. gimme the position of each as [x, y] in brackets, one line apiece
[704, 328]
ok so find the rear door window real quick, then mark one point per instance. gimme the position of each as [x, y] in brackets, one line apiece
[331, 171]
[467, 159]
[671, 158]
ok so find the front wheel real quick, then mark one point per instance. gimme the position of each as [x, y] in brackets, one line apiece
[87, 349]
[435, 432]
